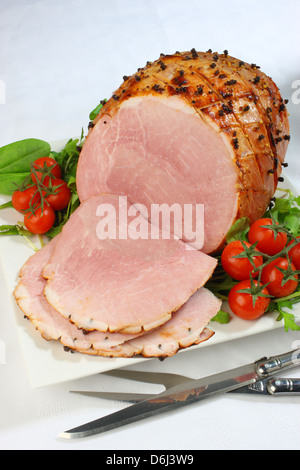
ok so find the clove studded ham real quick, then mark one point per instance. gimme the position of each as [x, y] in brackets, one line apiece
[190, 128]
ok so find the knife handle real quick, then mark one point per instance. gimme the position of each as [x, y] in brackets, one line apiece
[277, 386]
[269, 366]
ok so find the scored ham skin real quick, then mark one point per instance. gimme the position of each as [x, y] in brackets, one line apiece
[124, 285]
[187, 327]
[29, 294]
[233, 171]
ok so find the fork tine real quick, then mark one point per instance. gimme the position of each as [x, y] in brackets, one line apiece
[162, 378]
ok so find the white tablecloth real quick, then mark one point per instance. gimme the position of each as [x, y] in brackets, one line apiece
[58, 58]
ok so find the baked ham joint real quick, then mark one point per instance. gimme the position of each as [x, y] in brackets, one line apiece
[189, 128]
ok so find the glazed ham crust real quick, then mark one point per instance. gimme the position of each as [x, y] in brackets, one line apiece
[235, 100]
[238, 98]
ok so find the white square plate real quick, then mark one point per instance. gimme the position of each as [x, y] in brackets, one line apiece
[47, 363]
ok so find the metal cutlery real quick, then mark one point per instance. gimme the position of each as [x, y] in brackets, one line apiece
[189, 392]
[269, 386]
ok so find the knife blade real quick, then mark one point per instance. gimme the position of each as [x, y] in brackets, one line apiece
[184, 394]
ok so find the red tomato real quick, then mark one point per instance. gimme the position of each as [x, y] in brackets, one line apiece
[238, 268]
[273, 276]
[294, 254]
[267, 243]
[241, 303]
[40, 163]
[61, 198]
[21, 199]
[40, 222]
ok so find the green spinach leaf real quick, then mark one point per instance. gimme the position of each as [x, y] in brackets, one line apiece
[15, 161]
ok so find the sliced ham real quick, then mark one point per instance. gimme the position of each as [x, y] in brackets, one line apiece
[29, 295]
[127, 285]
[190, 128]
[187, 327]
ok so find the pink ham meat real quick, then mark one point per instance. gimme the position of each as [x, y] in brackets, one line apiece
[190, 128]
[29, 295]
[187, 327]
[120, 285]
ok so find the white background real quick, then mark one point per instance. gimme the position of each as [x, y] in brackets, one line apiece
[58, 59]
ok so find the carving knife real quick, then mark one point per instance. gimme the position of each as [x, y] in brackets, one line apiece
[184, 394]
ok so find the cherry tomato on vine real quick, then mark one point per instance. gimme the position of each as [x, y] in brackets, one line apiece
[40, 222]
[21, 199]
[294, 254]
[39, 164]
[273, 276]
[239, 268]
[62, 195]
[268, 242]
[241, 303]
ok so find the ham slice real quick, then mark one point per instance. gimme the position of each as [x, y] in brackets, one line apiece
[120, 285]
[190, 128]
[29, 294]
[187, 327]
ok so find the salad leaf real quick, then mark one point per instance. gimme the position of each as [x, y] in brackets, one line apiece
[96, 111]
[238, 230]
[221, 284]
[286, 211]
[278, 305]
[15, 161]
[289, 321]
[63, 216]
[221, 317]
[6, 205]
[18, 230]
[68, 157]
[13, 230]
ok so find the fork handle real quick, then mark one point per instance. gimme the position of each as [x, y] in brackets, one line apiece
[278, 386]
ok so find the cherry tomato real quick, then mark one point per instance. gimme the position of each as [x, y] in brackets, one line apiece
[61, 198]
[267, 243]
[21, 199]
[40, 222]
[39, 164]
[270, 274]
[239, 268]
[241, 303]
[294, 254]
